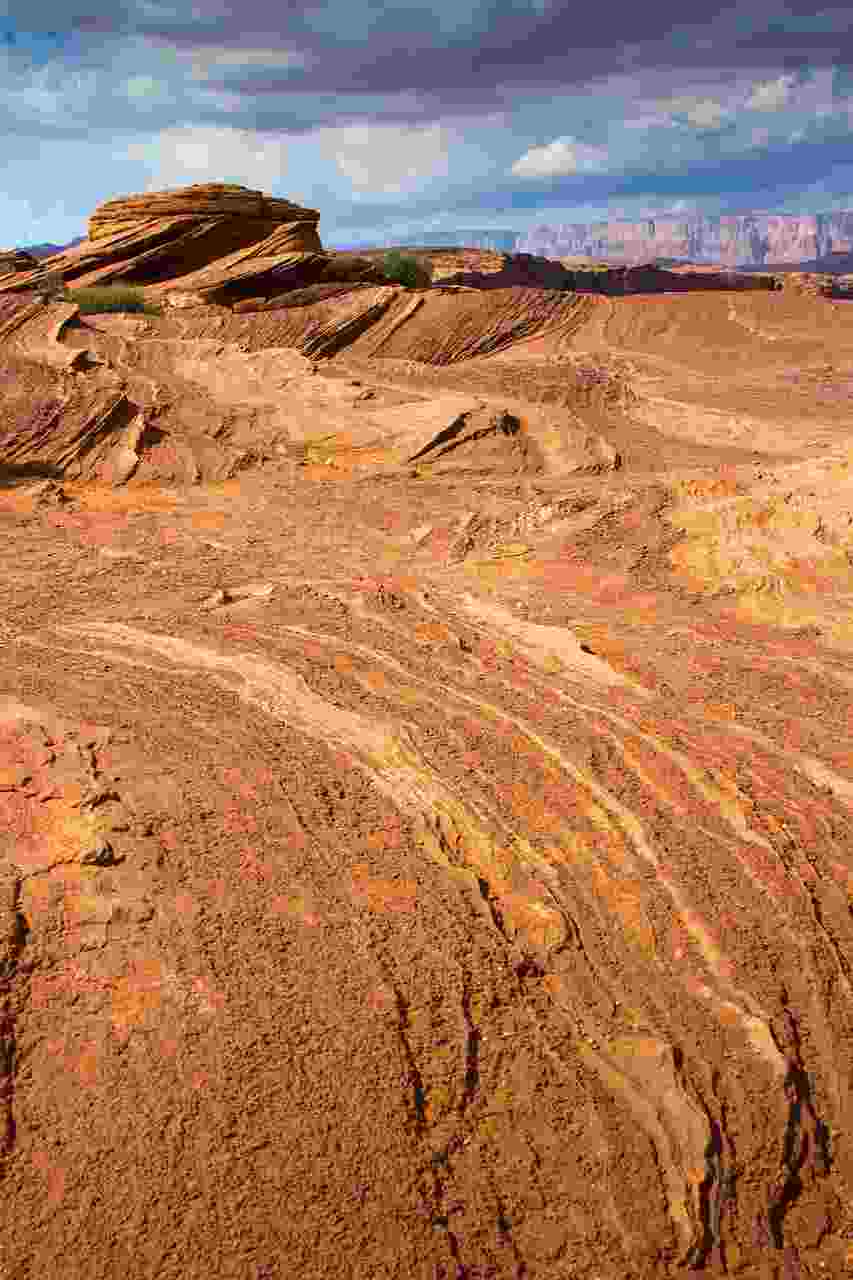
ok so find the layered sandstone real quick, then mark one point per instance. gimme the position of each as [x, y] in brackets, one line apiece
[16, 260]
[167, 236]
[210, 199]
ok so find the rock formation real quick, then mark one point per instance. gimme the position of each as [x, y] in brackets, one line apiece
[476, 268]
[815, 241]
[218, 200]
[649, 278]
[818, 284]
[213, 242]
[226, 232]
[13, 260]
[483, 269]
[502, 271]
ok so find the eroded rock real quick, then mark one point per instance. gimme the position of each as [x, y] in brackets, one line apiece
[173, 235]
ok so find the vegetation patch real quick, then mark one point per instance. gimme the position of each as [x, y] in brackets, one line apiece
[121, 297]
[400, 268]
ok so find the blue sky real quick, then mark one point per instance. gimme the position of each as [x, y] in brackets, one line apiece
[399, 117]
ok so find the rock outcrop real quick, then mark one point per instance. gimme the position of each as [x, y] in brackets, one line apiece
[818, 284]
[503, 271]
[648, 278]
[162, 238]
[12, 260]
[212, 242]
[483, 269]
[203, 200]
[473, 268]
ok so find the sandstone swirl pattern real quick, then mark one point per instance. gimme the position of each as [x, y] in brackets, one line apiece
[425, 788]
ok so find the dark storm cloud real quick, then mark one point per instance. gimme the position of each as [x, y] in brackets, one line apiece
[464, 51]
[477, 64]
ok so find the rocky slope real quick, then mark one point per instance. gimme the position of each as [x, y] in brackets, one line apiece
[425, 788]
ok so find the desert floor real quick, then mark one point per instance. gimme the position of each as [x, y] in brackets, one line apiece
[426, 771]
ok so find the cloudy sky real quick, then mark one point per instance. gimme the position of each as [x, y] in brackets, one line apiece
[399, 116]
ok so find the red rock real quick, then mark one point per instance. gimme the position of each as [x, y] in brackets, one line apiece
[227, 232]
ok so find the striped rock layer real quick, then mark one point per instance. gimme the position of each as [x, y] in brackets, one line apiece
[234, 234]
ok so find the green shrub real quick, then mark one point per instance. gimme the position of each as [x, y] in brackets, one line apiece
[401, 269]
[118, 297]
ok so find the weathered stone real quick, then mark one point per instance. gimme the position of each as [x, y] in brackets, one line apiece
[182, 298]
[201, 200]
[211, 239]
[48, 493]
[100, 854]
[16, 260]
[818, 284]
[346, 270]
[248, 304]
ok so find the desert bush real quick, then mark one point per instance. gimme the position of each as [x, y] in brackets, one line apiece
[399, 268]
[118, 297]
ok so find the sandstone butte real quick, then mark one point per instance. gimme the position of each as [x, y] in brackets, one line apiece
[220, 239]
[426, 766]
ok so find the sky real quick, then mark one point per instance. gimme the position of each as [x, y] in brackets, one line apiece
[395, 117]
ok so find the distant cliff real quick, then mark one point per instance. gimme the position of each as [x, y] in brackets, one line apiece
[820, 242]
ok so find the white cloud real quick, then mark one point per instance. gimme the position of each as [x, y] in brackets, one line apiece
[707, 114]
[387, 159]
[770, 95]
[177, 157]
[559, 158]
[702, 113]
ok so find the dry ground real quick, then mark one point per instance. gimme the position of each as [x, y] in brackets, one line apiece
[426, 771]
